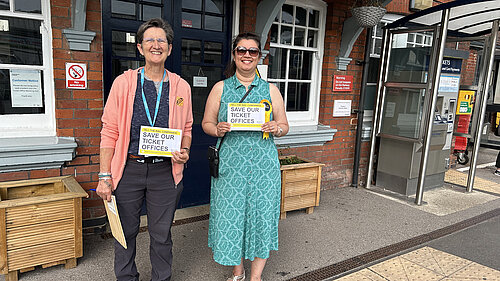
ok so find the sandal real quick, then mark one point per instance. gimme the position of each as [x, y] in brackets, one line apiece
[237, 277]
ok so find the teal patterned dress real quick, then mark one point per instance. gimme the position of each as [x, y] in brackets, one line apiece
[245, 198]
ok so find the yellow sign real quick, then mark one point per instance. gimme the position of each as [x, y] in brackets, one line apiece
[464, 106]
[155, 141]
[246, 116]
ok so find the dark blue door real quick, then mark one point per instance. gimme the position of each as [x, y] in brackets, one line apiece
[201, 50]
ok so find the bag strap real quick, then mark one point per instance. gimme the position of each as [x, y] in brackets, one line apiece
[242, 99]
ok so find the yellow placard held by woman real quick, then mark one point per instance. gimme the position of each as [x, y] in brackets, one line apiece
[269, 109]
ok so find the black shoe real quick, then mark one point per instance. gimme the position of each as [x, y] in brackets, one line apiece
[497, 173]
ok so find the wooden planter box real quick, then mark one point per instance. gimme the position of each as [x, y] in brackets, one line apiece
[300, 186]
[40, 224]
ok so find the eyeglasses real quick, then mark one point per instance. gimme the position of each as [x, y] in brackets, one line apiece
[151, 41]
[241, 51]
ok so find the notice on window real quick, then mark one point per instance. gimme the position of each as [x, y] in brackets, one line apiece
[246, 116]
[449, 83]
[155, 141]
[26, 88]
[342, 108]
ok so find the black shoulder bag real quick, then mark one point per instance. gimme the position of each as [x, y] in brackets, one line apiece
[213, 151]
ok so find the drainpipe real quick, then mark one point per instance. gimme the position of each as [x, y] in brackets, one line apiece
[361, 110]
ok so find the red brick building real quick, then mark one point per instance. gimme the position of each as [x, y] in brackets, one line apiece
[308, 42]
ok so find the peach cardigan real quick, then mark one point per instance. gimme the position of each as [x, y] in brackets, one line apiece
[117, 118]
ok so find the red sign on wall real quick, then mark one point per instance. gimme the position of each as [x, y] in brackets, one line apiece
[342, 83]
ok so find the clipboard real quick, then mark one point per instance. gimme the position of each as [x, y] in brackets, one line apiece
[114, 221]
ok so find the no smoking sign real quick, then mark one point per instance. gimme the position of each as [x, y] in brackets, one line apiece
[76, 75]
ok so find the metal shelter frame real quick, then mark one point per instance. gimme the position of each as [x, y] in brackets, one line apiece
[462, 20]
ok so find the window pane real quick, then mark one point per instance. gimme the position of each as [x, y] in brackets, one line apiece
[300, 17]
[378, 46]
[300, 35]
[213, 52]
[21, 43]
[286, 35]
[313, 18]
[378, 30]
[373, 66]
[191, 20]
[277, 62]
[28, 6]
[191, 50]
[300, 65]
[4, 5]
[123, 44]
[124, 10]
[274, 33]
[287, 14]
[121, 65]
[149, 12]
[213, 23]
[192, 4]
[408, 64]
[199, 94]
[403, 112]
[153, 1]
[312, 38]
[281, 87]
[297, 96]
[411, 37]
[214, 6]
[11, 99]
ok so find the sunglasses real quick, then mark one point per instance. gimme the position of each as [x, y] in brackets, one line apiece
[241, 51]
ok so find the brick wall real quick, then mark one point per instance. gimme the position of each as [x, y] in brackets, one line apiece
[78, 112]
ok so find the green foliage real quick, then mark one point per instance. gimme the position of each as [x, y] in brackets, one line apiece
[291, 160]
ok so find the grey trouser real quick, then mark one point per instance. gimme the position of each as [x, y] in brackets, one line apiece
[153, 183]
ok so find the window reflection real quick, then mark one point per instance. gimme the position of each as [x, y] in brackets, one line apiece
[300, 65]
[213, 23]
[300, 17]
[297, 96]
[286, 35]
[28, 6]
[213, 52]
[6, 96]
[192, 4]
[300, 35]
[214, 6]
[287, 14]
[191, 50]
[277, 63]
[121, 9]
[191, 20]
[22, 43]
[123, 44]
[313, 18]
[149, 12]
[4, 5]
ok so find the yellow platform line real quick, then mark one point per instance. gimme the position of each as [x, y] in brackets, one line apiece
[424, 264]
[459, 178]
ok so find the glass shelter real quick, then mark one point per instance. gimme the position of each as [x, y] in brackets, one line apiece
[417, 94]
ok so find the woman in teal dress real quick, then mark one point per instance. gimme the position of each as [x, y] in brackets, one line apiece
[245, 198]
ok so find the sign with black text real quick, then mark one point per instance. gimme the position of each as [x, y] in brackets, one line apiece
[246, 116]
[155, 141]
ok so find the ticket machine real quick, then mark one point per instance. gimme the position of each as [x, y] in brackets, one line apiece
[402, 125]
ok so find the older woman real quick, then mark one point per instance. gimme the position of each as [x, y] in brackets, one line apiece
[245, 198]
[153, 97]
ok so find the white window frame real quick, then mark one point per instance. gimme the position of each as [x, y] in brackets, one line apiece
[34, 125]
[310, 117]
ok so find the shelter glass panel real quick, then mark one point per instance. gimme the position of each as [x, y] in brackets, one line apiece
[403, 112]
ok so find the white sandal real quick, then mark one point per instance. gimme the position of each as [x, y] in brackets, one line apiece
[237, 277]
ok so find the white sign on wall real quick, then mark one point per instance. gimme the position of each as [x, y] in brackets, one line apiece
[76, 75]
[342, 108]
[26, 88]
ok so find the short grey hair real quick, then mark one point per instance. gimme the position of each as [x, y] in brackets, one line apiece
[156, 22]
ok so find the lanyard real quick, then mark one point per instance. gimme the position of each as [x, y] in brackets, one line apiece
[158, 97]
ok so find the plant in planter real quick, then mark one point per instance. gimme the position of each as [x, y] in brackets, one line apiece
[368, 13]
[300, 184]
